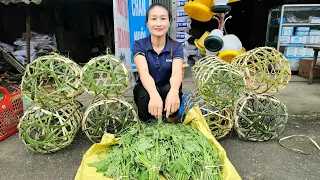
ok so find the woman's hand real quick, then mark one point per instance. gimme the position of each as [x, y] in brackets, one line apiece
[172, 102]
[156, 106]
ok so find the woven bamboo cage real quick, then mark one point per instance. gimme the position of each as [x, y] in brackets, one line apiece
[220, 121]
[52, 80]
[265, 69]
[105, 75]
[47, 130]
[107, 116]
[220, 84]
[259, 117]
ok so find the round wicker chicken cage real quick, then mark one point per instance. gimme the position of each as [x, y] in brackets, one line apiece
[107, 116]
[46, 130]
[220, 121]
[265, 69]
[259, 117]
[52, 80]
[105, 75]
[220, 84]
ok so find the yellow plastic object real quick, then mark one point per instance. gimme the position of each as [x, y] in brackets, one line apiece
[199, 10]
[208, 3]
[231, 1]
[228, 55]
[200, 42]
[193, 118]
[243, 50]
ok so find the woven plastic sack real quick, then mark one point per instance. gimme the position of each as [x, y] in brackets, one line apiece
[193, 118]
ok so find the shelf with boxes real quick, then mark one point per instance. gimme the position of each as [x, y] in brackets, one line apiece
[299, 35]
[291, 27]
[294, 39]
[300, 24]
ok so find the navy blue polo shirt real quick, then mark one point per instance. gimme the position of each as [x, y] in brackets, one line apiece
[160, 65]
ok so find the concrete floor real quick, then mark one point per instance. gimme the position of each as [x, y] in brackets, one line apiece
[253, 160]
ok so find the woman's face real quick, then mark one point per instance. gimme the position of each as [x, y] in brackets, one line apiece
[158, 21]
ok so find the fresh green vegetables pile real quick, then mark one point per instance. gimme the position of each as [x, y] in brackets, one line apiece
[176, 151]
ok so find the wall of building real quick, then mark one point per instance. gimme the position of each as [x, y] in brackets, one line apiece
[78, 27]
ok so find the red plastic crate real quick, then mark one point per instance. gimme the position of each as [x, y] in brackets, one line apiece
[11, 109]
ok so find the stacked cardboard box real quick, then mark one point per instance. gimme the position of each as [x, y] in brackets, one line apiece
[305, 66]
[299, 36]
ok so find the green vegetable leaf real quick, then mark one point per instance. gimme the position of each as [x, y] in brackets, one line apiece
[101, 166]
[144, 144]
[143, 175]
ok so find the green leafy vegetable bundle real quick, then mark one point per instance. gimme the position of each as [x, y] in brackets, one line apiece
[147, 151]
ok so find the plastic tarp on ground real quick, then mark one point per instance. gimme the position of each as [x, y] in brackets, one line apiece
[193, 118]
[6, 2]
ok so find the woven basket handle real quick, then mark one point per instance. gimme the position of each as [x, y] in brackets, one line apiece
[5, 93]
[108, 51]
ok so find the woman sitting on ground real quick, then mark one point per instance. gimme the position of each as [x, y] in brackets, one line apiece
[159, 61]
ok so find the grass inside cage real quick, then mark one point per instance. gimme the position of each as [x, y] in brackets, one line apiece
[259, 117]
[47, 130]
[107, 116]
[52, 80]
[220, 84]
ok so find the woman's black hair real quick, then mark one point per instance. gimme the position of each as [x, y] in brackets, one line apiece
[154, 5]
